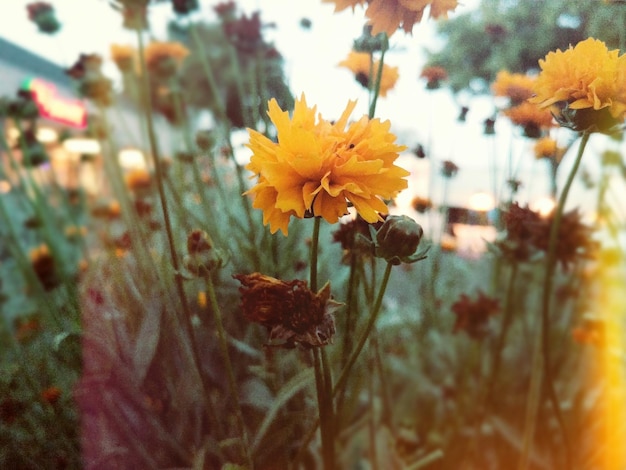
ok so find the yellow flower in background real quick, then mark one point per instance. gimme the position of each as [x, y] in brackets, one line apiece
[545, 148]
[389, 15]
[124, 56]
[586, 76]
[516, 86]
[164, 55]
[317, 167]
[529, 114]
[359, 64]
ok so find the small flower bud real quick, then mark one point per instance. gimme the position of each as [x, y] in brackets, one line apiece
[398, 239]
[203, 257]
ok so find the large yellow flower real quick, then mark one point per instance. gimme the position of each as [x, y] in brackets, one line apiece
[318, 167]
[587, 76]
[359, 63]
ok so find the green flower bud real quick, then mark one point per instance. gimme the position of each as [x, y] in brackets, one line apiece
[203, 257]
[398, 239]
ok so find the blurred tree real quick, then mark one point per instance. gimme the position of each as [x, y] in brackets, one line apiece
[514, 35]
[247, 69]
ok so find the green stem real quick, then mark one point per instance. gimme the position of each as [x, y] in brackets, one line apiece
[545, 371]
[323, 380]
[232, 383]
[313, 259]
[506, 324]
[370, 325]
[379, 75]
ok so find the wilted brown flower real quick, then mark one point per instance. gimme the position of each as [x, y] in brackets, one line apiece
[472, 316]
[291, 312]
[528, 233]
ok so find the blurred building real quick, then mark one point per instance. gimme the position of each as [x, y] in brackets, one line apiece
[64, 124]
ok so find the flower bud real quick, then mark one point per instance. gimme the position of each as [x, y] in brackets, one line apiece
[398, 239]
[203, 257]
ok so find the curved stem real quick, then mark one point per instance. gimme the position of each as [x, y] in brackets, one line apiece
[379, 75]
[232, 383]
[370, 325]
[542, 349]
[323, 380]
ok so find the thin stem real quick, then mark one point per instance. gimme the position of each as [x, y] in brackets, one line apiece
[544, 350]
[323, 380]
[379, 75]
[232, 383]
[370, 325]
[313, 259]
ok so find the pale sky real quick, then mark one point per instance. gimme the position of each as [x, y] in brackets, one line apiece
[311, 58]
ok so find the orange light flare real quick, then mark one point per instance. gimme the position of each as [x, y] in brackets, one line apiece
[611, 305]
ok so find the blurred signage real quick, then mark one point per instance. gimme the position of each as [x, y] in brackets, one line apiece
[68, 111]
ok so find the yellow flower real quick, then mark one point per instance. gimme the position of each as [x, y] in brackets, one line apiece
[359, 64]
[124, 56]
[517, 86]
[587, 76]
[529, 114]
[389, 15]
[317, 167]
[166, 55]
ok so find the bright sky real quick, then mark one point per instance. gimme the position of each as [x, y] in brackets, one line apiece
[311, 58]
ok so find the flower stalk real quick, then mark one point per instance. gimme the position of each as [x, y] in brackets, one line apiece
[542, 347]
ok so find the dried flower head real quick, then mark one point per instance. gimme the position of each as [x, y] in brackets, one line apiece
[365, 71]
[317, 167]
[528, 233]
[472, 315]
[291, 312]
[585, 85]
